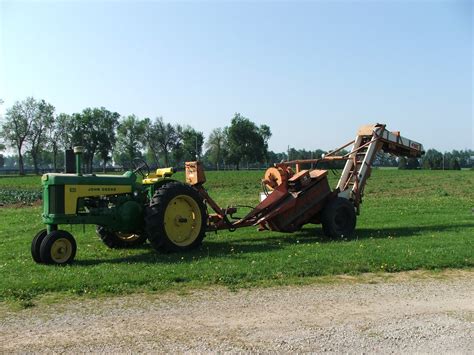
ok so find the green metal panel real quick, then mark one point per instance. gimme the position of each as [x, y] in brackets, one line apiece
[56, 199]
[127, 178]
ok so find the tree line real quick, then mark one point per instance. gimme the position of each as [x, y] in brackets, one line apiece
[39, 137]
[431, 160]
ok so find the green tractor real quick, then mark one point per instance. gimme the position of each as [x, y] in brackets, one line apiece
[126, 209]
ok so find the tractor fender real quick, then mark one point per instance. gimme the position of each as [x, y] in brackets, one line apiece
[151, 189]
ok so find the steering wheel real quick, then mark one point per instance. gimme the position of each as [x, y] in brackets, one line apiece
[140, 166]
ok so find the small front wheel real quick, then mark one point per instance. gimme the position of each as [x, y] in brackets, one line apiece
[58, 247]
[36, 244]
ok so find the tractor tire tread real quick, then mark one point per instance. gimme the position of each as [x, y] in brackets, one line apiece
[155, 215]
[110, 238]
[36, 244]
[47, 243]
[328, 219]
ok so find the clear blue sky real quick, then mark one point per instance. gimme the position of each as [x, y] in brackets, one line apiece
[313, 71]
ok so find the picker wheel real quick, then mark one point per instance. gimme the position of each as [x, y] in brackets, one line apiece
[36, 244]
[176, 218]
[339, 218]
[119, 240]
[58, 247]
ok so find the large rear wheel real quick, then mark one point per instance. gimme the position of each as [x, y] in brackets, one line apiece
[176, 218]
[338, 218]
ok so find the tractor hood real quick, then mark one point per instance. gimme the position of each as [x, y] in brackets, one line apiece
[128, 178]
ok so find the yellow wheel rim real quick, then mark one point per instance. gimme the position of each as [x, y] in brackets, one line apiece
[61, 250]
[182, 220]
[128, 237]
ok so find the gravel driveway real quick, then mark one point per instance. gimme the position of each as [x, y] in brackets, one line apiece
[409, 312]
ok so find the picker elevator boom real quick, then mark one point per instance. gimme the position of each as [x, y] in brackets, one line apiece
[368, 142]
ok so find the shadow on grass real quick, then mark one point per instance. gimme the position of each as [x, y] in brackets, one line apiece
[312, 235]
[237, 247]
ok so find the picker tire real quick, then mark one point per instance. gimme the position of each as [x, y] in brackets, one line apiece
[339, 219]
[176, 218]
[58, 247]
[118, 240]
[36, 244]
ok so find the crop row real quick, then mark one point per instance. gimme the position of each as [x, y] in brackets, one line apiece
[13, 196]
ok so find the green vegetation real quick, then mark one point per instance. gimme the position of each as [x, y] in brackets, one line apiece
[409, 220]
[9, 196]
[19, 190]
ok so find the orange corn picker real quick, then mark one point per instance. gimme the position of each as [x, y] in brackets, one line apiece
[294, 197]
[174, 216]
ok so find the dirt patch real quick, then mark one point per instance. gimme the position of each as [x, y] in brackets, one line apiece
[406, 312]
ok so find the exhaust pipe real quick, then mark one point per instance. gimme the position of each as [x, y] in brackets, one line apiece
[78, 150]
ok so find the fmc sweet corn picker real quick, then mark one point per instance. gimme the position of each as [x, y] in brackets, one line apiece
[174, 216]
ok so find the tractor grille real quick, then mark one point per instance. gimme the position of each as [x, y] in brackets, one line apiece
[56, 199]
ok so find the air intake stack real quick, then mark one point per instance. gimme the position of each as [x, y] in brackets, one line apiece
[78, 150]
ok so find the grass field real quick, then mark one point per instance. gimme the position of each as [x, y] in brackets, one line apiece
[409, 220]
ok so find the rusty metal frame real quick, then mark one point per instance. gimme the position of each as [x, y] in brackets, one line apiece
[274, 211]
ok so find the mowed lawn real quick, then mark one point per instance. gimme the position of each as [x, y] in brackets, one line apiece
[409, 220]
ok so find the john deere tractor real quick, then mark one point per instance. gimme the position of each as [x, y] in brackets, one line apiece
[127, 210]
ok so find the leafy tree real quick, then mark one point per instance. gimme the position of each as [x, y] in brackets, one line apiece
[450, 160]
[42, 121]
[94, 129]
[432, 159]
[90, 118]
[412, 163]
[464, 157]
[76, 130]
[106, 124]
[447, 161]
[216, 146]
[191, 144]
[245, 140]
[274, 158]
[152, 145]
[130, 139]
[11, 161]
[385, 159]
[266, 133]
[17, 128]
[162, 138]
[402, 163]
[80, 131]
[300, 154]
[425, 163]
[59, 136]
[2, 159]
[46, 158]
[454, 164]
